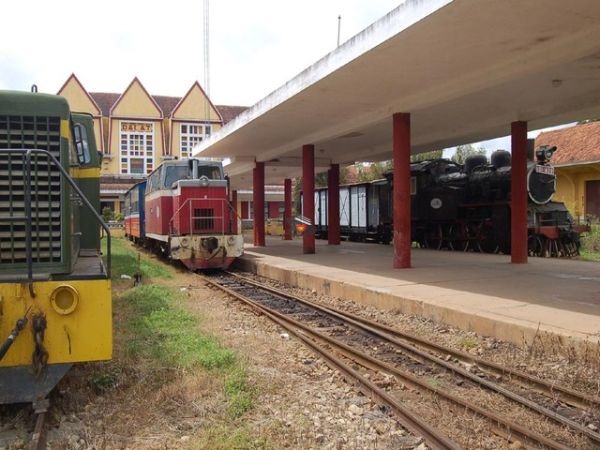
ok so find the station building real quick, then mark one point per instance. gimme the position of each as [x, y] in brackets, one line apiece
[274, 209]
[577, 165]
[137, 131]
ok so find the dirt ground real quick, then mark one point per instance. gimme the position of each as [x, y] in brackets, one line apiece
[298, 403]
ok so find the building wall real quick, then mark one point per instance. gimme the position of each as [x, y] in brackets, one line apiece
[245, 210]
[570, 186]
[175, 135]
[196, 111]
[273, 210]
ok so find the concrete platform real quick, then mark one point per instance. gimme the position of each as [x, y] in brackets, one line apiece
[555, 300]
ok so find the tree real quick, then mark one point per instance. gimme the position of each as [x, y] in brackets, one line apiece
[108, 214]
[373, 171]
[427, 156]
[464, 151]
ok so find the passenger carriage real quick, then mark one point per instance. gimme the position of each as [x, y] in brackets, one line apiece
[134, 218]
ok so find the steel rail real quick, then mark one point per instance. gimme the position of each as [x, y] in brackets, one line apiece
[408, 419]
[552, 391]
[502, 426]
[38, 438]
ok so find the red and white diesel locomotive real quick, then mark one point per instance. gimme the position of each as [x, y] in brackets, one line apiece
[187, 214]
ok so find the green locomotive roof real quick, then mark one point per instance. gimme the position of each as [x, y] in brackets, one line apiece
[21, 103]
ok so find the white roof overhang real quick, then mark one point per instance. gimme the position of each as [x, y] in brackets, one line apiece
[464, 69]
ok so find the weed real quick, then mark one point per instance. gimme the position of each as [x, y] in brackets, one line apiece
[434, 383]
[590, 243]
[468, 343]
[239, 393]
[104, 380]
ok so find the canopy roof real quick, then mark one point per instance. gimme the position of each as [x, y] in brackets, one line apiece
[463, 69]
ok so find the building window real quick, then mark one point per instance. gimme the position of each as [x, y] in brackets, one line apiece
[192, 134]
[137, 147]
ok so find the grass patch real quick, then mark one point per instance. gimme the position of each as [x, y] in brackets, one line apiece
[167, 334]
[125, 261]
[469, 343]
[224, 437]
[162, 333]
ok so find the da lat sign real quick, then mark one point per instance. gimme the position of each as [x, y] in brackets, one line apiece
[136, 127]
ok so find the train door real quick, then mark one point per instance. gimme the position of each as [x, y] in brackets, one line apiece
[373, 205]
[323, 208]
[344, 207]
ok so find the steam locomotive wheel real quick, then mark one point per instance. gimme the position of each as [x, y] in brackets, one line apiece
[458, 237]
[434, 237]
[535, 245]
[571, 249]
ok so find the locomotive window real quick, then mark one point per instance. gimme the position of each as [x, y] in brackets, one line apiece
[81, 143]
[413, 185]
[176, 173]
[210, 172]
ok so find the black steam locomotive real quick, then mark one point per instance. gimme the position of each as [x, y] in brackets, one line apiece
[460, 207]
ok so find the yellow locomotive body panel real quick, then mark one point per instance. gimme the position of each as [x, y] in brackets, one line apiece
[78, 316]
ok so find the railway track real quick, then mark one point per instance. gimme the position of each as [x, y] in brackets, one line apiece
[341, 339]
[38, 438]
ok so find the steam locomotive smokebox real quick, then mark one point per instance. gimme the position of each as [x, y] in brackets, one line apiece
[541, 183]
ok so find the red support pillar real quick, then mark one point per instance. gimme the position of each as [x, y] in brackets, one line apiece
[287, 212]
[333, 205]
[234, 204]
[401, 206]
[308, 192]
[259, 204]
[518, 206]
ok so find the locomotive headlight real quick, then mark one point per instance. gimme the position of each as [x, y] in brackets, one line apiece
[64, 299]
[185, 242]
[231, 240]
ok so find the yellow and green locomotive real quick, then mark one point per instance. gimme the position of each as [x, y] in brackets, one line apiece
[55, 288]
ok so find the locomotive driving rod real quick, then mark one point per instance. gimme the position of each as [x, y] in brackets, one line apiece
[21, 323]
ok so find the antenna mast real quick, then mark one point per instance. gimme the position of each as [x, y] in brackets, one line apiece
[206, 49]
[339, 29]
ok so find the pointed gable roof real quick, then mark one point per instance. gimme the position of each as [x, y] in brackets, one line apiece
[122, 108]
[79, 103]
[230, 112]
[193, 105]
[580, 143]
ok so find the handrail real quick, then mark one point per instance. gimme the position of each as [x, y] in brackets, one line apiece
[27, 157]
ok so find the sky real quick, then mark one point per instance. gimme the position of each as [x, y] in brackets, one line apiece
[255, 47]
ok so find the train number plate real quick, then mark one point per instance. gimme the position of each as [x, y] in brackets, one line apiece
[548, 170]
